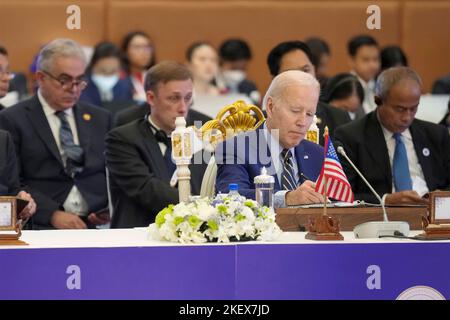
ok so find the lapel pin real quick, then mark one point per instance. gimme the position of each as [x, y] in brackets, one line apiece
[87, 116]
[426, 152]
[306, 157]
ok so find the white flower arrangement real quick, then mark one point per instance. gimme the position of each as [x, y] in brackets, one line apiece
[224, 219]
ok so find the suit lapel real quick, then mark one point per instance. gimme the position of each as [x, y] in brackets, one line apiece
[420, 142]
[304, 163]
[269, 166]
[40, 123]
[155, 154]
[82, 119]
[375, 146]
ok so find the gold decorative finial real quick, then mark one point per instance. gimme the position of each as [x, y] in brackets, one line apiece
[232, 120]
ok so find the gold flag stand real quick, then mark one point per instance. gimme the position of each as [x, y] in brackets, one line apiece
[324, 227]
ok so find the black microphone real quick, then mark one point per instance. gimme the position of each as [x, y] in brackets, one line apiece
[375, 229]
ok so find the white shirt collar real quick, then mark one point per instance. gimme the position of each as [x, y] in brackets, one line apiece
[274, 144]
[366, 85]
[389, 135]
[48, 110]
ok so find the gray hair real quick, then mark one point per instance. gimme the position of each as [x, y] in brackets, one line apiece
[286, 79]
[390, 77]
[59, 48]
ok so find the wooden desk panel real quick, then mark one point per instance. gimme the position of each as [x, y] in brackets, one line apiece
[296, 219]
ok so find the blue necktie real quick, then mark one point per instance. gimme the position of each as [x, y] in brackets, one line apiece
[74, 153]
[402, 178]
[288, 181]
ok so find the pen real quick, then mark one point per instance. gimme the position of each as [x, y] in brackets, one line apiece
[304, 176]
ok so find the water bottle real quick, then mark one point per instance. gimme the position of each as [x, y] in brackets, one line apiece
[233, 193]
[264, 184]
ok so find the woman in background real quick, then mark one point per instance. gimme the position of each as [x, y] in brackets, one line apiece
[344, 91]
[204, 64]
[139, 57]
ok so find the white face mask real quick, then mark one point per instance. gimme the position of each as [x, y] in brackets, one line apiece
[233, 77]
[105, 83]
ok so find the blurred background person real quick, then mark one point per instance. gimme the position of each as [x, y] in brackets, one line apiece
[364, 54]
[321, 58]
[139, 56]
[442, 85]
[203, 62]
[105, 87]
[235, 55]
[393, 56]
[344, 91]
[4, 74]
[13, 86]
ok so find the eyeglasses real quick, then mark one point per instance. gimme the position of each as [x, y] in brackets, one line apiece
[67, 82]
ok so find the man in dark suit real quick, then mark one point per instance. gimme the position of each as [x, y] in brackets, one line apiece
[400, 156]
[59, 142]
[9, 178]
[279, 144]
[138, 154]
[140, 111]
[5, 75]
[296, 55]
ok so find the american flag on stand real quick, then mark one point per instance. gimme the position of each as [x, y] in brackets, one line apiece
[338, 186]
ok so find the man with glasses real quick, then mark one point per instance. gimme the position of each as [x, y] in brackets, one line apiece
[59, 142]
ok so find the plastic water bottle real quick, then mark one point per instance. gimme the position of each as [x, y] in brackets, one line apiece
[233, 191]
[264, 184]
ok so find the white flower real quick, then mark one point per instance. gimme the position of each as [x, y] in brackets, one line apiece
[227, 220]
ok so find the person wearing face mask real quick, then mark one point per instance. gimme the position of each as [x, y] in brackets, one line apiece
[235, 55]
[105, 88]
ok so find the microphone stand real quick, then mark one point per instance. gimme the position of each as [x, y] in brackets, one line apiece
[375, 229]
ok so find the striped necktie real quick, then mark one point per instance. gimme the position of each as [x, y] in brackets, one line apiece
[73, 152]
[288, 181]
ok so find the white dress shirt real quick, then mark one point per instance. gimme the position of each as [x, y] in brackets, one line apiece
[369, 94]
[74, 202]
[277, 161]
[415, 170]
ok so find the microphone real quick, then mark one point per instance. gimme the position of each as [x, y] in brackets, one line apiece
[375, 229]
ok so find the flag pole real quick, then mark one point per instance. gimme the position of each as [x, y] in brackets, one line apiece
[325, 191]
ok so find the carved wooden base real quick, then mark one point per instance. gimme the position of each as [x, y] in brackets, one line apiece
[11, 240]
[323, 228]
[435, 231]
[323, 236]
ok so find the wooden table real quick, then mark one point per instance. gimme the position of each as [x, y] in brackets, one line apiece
[297, 219]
